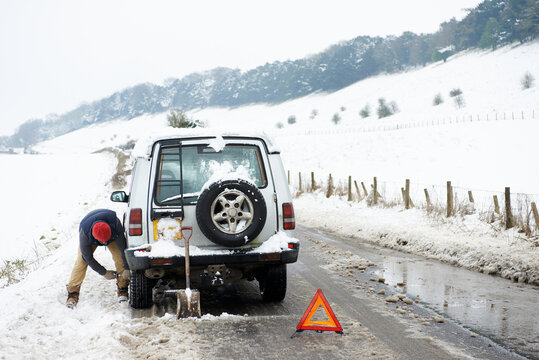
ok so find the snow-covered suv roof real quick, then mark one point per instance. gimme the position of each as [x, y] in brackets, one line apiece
[144, 146]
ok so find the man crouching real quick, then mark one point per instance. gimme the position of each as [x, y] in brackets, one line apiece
[99, 228]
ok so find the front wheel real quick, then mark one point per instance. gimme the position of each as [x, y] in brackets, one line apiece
[140, 290]
[273, 283]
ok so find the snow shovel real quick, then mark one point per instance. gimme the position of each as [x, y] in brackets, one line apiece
[188, 299]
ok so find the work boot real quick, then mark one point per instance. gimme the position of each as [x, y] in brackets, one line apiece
[123, 294]
[72, 296]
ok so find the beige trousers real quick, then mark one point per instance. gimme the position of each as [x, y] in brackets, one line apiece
[79, 270]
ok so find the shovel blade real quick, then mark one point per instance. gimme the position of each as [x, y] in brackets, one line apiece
[188, 303]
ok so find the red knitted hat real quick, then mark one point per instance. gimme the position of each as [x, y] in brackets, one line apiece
[101, 231]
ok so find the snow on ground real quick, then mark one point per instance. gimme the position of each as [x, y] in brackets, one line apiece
[466, 242]
[49, 196]
[45, 196]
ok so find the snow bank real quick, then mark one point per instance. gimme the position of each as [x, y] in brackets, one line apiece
[467, 242]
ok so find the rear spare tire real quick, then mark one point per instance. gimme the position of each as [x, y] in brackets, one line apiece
[231, 212]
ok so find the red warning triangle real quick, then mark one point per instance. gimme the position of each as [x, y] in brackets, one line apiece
[306, 322]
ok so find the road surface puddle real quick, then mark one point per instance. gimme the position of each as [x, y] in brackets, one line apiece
[498, 308]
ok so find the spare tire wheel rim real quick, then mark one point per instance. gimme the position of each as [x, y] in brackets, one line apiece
[232, 211]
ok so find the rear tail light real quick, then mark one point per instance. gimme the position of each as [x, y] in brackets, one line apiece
[289, 221]
[135, 222]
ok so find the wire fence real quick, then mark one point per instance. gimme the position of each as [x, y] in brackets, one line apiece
[412, 124]
[489, 206]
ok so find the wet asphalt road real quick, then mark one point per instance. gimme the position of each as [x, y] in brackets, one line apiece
[373, 328]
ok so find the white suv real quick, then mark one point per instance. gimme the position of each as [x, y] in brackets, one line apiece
[232, 191]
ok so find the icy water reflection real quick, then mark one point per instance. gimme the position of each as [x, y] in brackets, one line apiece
[492, 306]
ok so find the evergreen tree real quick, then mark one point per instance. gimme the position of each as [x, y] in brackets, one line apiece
[490, 37]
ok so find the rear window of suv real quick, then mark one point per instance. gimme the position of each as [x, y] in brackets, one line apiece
[199, 163]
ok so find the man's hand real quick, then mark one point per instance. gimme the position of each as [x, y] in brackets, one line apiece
[109, 275]
[126, 274]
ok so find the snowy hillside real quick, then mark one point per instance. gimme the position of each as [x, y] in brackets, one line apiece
[47, 194]
[495, 152]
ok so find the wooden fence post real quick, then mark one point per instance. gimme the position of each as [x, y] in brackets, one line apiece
[508, 215]
[300, 190]
[349, 188]
[470, 196]
[496, 204]
[407, 193]
[427, 198]
[449, 199]
[364, 189]
[329, 191]
[535, 215]
[288, 177]
[313, 183]
[357, 190]
[375, 193]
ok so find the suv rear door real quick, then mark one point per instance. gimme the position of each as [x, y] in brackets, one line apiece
[244, 158]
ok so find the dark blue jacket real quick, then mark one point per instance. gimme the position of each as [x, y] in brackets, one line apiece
[87, 240]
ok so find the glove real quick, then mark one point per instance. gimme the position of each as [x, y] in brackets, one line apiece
[126, 274]
[109, 275]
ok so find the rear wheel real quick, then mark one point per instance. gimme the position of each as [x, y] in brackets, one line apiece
[140, 290]
[273, 283]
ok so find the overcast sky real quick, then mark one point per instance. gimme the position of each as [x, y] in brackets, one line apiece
[56, 54]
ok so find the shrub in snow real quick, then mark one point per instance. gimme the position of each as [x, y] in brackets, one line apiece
[13, 271]
[394, 107]
[527, 80]
[455, 92]
[336, 118]
[437, 99]
[384, 109]
[314, 113]
[279, 125]
[365, 112]
[178, 119]
[343, 108]
[459, 101]
[292, 119]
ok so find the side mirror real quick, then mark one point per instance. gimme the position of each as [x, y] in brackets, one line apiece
[119, 196]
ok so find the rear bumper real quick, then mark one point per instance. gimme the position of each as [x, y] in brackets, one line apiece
[137, 262]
